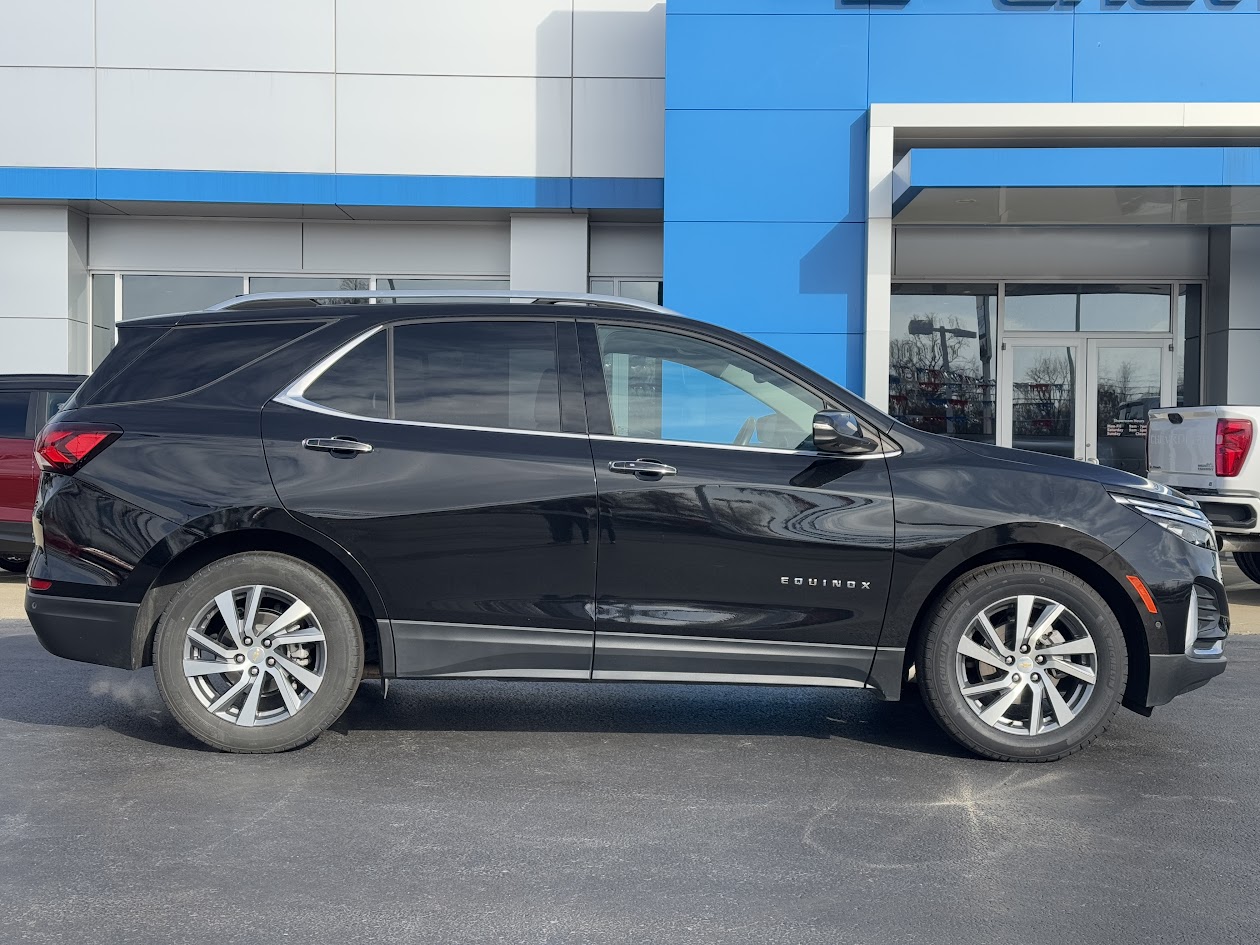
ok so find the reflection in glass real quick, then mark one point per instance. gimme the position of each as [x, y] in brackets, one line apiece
[158, 295]
[103, 317]
[311, 284]
[1128, 387]
[1043, 401]
[1125, 307]
[1189, 328]
[941, 371]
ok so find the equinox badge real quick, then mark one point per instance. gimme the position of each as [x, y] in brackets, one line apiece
[825, 582]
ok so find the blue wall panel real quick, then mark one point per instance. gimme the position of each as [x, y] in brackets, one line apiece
[737, 61]
[718, 155]
[1172, 57]
[998, 57]
[785, 277]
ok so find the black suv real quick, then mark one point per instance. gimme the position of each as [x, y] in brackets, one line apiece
[274, 499]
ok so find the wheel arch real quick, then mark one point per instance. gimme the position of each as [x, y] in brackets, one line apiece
[187, 560]
[1115, 591]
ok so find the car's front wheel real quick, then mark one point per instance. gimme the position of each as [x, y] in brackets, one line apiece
[1023, 661]
[258, 652]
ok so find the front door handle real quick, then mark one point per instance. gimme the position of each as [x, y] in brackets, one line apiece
[337, 444]
[643, 468]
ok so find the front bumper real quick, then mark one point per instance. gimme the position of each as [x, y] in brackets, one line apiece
[90, 631]
[1174, 674]
[16, 539]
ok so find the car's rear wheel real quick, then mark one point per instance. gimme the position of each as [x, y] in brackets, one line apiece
[258, 652]
[1249, 564]
[15, 563]
[1023, 661]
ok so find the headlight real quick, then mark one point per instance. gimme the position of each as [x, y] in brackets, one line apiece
[1188, 523]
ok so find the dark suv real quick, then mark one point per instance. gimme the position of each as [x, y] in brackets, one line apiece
[271, 500]
[26, 403]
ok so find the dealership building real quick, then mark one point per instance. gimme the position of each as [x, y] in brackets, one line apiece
[1019, 221]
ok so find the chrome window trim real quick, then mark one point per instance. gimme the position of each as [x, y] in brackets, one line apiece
[859, 457]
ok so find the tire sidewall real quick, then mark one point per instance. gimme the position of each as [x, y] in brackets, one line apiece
[343, 648]
[987, 586]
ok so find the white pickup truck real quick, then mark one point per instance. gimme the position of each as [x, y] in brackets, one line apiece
[1206, 452]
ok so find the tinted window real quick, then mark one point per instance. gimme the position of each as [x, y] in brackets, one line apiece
[664, 386]
[13, 413]
[484, 374]
[358, 383]
[184, 359]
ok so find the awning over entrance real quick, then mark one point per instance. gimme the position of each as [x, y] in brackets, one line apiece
[1117, 185]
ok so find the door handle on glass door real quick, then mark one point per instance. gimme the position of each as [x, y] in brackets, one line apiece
[337, 444]
[641, 467]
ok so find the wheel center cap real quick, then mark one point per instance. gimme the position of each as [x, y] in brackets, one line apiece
[254, 654]
[1024, 664]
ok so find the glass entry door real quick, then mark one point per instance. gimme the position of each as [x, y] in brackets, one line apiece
[1085, 397]
[1043, 400]
[1127, 377]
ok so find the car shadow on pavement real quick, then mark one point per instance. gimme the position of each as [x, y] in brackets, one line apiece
[78, 695]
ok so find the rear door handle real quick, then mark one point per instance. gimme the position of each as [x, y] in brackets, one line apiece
[337, 444]
[641, 467]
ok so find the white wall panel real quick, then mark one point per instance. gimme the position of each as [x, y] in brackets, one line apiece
[549, 252]
[195, 245]
[46, 117]
[618, 128]
[453, 126]
[619, 38]
[33, 262]
[1051, 252]
[46, 33]
[35, 345]
[76, 267]
[455, 37]
[270, 35]
[405, 249]
[216, 120]
[629, 250]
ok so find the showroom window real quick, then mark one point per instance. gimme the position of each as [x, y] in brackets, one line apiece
[941, 371]
[644, 290]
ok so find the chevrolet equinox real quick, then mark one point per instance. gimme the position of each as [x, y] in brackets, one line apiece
[270, 500]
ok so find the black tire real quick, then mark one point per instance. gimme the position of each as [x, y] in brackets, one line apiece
[1249, 564]
[941, 667]
[14, 564]
[341, 655]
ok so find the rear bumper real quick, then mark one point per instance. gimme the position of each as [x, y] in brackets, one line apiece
[1235, 518]
[1174, 674]
[90, 631]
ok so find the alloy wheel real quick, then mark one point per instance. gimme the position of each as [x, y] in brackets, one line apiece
[1026, 665]
[254, 655]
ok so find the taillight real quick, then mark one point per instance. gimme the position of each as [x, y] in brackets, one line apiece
[38, 584]
[64, 447]
[1233, 442]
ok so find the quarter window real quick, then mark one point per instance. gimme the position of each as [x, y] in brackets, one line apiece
[665, 386]
[482, 374]
[358, 383]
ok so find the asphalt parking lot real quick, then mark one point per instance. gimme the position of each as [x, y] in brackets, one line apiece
[485, 812]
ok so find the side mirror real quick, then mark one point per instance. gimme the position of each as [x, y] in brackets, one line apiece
[837, 431]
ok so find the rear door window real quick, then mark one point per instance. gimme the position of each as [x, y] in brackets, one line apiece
[498, 374]
[13, 409]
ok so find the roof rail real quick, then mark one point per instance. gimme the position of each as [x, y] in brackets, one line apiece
[543, 298]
